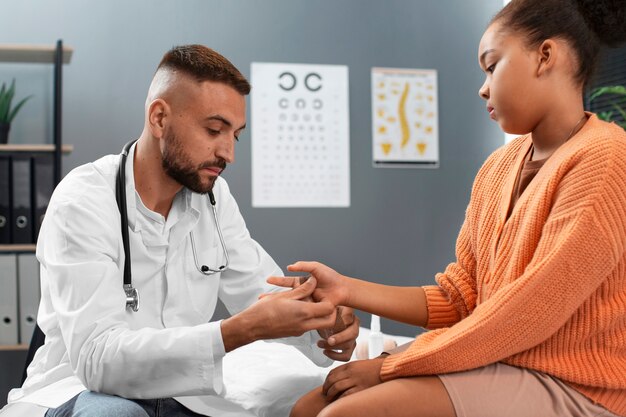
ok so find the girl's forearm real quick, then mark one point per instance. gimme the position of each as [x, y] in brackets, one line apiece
[405, 304]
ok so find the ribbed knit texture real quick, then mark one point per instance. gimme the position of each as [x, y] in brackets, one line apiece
[545, 289]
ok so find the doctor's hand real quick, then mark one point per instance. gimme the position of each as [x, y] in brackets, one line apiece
[340, 341]
[331, 285]
[278, 315]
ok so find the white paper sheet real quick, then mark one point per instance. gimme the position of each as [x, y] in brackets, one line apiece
[405, 131]
[300, 135]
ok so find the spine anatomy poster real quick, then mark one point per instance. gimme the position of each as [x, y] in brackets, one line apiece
[300, 135]
[404, 118]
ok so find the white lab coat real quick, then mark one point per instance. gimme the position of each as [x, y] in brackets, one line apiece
[166, 349]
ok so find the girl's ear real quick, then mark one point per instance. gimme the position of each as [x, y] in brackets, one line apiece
[546, 56]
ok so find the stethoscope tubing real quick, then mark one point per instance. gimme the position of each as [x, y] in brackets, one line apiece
[132, 295]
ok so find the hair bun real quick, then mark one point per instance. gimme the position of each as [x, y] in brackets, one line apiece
[606, 18]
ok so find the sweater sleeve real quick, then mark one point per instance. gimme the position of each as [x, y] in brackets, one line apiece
[455, 296]
[582, 242]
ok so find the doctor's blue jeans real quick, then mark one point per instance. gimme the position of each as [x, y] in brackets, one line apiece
[93, 404]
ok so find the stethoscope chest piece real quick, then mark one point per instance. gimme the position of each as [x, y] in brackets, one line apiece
[132, 297]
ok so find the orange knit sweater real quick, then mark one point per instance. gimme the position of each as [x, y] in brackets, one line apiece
[545, 289]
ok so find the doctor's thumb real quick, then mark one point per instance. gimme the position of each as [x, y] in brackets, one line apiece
[305, 289]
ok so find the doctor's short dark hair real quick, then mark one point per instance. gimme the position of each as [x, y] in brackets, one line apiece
[204, 64]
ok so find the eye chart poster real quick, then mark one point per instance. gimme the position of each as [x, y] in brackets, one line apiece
[404, 118]
[300, 135]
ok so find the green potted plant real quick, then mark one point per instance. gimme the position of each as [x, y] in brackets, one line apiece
[618, 103]
[7, 112]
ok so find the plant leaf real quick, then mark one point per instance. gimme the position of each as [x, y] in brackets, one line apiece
[17, 108]
[611, 89]
[11, 91]
[6, 98]
[5, 102]
[605, 115]
[620, 110]
[4, 107]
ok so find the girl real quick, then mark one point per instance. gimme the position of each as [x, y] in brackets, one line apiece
[531, 318]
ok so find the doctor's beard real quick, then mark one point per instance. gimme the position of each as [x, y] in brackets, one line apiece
[177, 164]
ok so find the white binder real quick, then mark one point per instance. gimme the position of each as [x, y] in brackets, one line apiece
[8, 300]
[28, 289]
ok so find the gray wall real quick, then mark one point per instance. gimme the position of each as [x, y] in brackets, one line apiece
[402, 224]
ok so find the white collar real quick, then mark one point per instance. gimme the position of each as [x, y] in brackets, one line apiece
[182, 208]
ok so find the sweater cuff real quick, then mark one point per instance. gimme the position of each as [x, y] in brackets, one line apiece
[387, 371]
[441, 312]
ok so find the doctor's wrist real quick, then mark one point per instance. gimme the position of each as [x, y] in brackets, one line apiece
[237, 332]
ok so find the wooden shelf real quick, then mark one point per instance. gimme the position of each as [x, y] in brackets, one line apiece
[18, 247]
[13, 347]
[32, 53]
[46, 147]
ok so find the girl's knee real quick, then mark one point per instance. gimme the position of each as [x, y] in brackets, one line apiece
[299, 409]
[354, 405]
[309, 404]
[334, 410]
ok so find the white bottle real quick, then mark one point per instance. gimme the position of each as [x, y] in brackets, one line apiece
[375, 341]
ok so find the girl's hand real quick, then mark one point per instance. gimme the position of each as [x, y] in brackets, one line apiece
[352, 377]
[331, 286]
[286, 282]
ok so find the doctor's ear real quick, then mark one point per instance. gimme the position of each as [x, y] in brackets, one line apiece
[158, 111]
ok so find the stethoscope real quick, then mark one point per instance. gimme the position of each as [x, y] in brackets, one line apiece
[132, 295]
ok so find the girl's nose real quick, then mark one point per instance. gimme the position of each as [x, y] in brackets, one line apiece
[483, 92]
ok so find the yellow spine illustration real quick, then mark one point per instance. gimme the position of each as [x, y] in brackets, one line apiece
[404, 126]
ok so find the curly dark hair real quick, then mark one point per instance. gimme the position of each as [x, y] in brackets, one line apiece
[586, 24]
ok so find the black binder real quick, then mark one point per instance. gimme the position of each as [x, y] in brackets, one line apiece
[43, 185]
[5, 200]
[22, 222]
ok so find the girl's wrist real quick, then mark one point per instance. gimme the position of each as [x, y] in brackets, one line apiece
[348, 291]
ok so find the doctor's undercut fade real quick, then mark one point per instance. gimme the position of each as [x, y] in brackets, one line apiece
[204, 64]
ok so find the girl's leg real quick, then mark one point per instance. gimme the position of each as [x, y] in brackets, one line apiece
[310, 404]
[404, 397]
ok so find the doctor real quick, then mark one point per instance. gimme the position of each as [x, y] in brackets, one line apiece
[103, 358]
